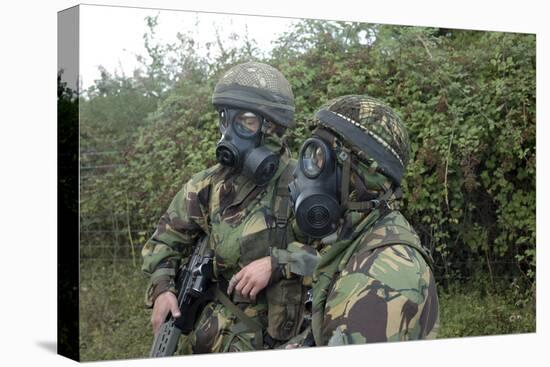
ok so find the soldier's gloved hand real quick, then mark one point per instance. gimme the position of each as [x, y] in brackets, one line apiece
[252, 278]
[165, 302]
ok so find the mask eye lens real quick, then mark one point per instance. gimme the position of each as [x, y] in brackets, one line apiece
[223, 121]
[247, 123]
[313, 160]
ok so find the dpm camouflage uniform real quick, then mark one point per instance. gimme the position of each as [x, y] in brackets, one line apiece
[372, 285]
[238, 216]
[372, 281]
[380, 289]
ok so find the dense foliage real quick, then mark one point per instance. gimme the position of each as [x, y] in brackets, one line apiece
[466, 97]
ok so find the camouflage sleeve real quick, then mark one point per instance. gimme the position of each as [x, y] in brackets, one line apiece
[297, 259]
[175, 235]
[387, 294]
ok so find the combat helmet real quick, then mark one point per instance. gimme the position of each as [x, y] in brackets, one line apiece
[371, 129]
[259, 88]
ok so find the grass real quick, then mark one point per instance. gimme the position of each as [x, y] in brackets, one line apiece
[475, 308]
[114, 323]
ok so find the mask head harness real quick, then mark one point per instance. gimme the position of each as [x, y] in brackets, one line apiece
[320, 190]
[241, 146]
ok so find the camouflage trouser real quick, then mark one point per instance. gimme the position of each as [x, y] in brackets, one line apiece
[218, 330]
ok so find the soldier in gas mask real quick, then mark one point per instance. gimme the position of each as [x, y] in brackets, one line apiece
[373, 280]
[243, 205]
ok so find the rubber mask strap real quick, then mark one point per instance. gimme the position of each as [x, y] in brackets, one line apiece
[345, 157]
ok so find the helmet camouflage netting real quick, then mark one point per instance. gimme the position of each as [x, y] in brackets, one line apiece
[371, 129]
[259, 88]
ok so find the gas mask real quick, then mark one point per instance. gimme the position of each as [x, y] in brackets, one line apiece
[320, 190]
[241, 146]
[315, 191]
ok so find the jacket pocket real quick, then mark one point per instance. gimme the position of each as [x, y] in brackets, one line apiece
[285, 311]
[254, 246]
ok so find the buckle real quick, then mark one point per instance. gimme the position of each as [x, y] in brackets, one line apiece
[343, 156]
[281, 221]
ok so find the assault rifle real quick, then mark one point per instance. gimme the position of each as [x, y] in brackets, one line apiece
[192, 281]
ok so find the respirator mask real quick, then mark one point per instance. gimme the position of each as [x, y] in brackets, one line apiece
[320, 190]
[241, 145]
[315, 191]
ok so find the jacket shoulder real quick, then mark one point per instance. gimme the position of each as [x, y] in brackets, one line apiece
[399, 267]
[393, 229]
[208, 174]
[204, 178]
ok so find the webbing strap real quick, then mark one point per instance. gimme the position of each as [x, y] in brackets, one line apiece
[281, 207]
[361, 206]
[252, 325]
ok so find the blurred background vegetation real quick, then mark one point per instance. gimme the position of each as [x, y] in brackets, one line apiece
[466, 97]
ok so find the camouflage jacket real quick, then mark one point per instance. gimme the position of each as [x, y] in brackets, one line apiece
[374, 284]
[236, 214]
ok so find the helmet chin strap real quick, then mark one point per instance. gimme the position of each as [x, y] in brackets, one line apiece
[345, 158]
[361, 206]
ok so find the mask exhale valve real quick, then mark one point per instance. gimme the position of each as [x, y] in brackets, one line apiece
[227, 155]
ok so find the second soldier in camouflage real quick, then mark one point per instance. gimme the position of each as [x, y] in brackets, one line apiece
[372, 281]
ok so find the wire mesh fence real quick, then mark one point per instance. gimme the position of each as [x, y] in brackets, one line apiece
[106, 234]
